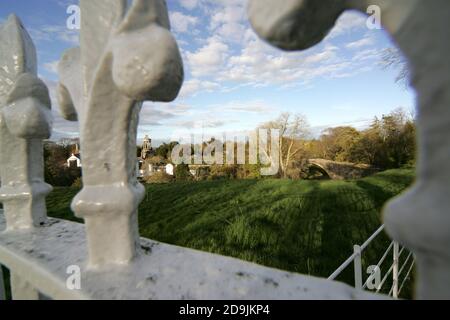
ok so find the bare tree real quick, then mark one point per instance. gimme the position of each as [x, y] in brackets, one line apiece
[293, 129]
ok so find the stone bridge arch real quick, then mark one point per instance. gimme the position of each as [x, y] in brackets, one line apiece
[312, 166]
[340, 170]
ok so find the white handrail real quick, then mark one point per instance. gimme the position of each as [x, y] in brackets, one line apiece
[353, 256]
[373, 236]
[342, 267]
[394, 268]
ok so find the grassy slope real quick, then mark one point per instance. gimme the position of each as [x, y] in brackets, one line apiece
[302, 226]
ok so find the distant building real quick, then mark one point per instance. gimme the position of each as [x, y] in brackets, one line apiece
[170, 169]
[75, 160]
[147, 150]
[144, 167]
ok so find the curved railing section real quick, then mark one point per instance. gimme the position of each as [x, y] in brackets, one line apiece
[374, 282]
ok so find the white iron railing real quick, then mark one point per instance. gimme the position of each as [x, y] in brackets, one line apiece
[127, 56]
[393, 268]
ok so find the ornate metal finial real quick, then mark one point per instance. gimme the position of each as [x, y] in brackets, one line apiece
[125, 57]
[419, 218]
[25, 120]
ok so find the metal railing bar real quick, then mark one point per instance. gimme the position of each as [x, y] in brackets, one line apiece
[353, 256]
[404, 264]
[385, 254]
[357, 253]
[400, 253]
[401, 269]
[373, 236]
[406, 277]
[385, 277]
[342, 267]
[380, 262]
[389, 272]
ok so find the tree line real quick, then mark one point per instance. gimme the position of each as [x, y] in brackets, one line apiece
[388, 142]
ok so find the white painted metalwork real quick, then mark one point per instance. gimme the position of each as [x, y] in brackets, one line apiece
[355, 253]
[25, 120]
[357, 267]
[42, 256]
[127, 55]
[419, 218]
[393, 268]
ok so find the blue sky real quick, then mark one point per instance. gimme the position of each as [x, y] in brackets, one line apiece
[234, 81]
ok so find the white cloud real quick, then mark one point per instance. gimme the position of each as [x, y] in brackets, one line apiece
[261, 64]
[194, 86]
[228, 20]
[189, 4]
[56, 32]
[348, 22]
[368, 54]
[61, 127]
[235, 54]
[197, 124]
[52, 67]
[155, 114]
[254, 106]
[182, 23]
[364, 42]
[209, 58]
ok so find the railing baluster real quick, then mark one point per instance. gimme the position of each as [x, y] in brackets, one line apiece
[357, 266]
[395, 271]
[125, 57]
[25, 120]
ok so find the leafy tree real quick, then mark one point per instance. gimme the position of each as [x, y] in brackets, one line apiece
[165, 150]
[223, 171]
[182, 172]
[55, 161]
[248, 171]
[388, 143]
[337, 142]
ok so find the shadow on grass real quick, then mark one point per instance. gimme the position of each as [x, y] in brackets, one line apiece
[308, 227]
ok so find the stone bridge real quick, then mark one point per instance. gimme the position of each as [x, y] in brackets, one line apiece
[340, 170]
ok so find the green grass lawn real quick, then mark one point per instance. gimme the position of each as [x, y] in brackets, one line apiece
[302, 226]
